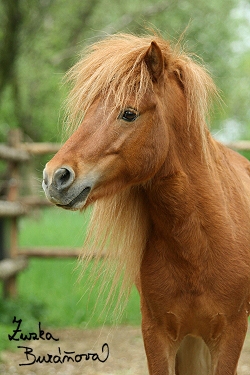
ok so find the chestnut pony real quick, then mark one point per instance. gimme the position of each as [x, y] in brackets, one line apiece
[171, 204]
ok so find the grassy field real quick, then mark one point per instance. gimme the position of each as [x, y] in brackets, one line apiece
[50, 290]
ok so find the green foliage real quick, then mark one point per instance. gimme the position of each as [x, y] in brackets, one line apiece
[4, 342]
[51, 34]
[30, 310]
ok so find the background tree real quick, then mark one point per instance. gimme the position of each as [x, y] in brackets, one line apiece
[40, 40]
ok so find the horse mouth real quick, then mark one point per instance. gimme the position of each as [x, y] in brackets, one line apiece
[78, 201]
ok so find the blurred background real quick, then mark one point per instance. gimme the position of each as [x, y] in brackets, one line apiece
[39, 41]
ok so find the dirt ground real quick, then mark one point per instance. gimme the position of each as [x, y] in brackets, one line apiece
[126, 354]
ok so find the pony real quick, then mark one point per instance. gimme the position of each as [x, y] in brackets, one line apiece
[171, 205]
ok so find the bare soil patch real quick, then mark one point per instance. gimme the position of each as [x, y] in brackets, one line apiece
[126, 356]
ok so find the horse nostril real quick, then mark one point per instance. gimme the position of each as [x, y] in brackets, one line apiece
[63, 178]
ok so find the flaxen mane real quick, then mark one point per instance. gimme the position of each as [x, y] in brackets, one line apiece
[116, 66]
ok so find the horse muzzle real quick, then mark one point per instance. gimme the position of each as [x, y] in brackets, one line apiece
[63, 189]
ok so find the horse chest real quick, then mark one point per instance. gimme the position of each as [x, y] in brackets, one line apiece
[191, 289]
[181, 305]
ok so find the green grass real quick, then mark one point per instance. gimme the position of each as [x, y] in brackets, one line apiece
[54, 227]
[49, 290]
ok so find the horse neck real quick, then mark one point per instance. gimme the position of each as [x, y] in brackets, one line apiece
[176, 194]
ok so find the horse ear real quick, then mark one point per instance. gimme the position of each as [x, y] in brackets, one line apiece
[154, 61]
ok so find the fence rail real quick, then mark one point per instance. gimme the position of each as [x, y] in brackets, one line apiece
[12, 209]
[10, 267]
[13, 154]
[40, 148]
[24, 151]
[239, 145]
[15, 259]
[53, 252]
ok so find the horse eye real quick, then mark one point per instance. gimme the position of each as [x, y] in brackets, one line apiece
[129, 115]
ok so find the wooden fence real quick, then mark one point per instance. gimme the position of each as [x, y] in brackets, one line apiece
[14, 205]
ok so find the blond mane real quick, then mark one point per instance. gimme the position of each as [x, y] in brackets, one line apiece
[116, 237]
[116, 67]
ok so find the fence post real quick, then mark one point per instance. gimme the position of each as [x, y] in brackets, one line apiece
[10, 287]
[4, 237]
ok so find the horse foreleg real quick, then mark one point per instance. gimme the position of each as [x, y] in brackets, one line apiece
[160, 354]
[161, 344]
[226, 352]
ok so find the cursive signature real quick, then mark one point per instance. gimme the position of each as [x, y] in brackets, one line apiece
[62, 358]
[19, 335]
